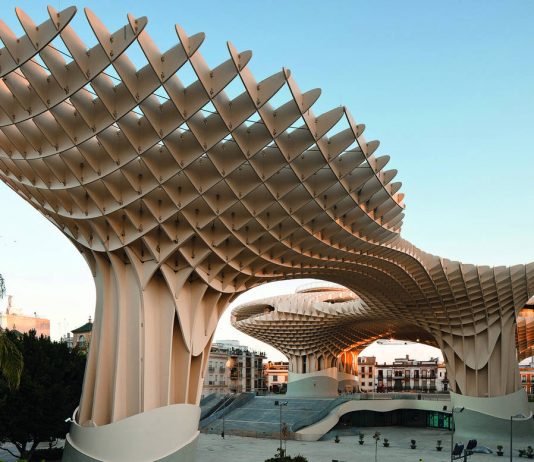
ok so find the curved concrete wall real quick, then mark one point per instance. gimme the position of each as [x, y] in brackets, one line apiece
[166, 434]
[488, 419]
[485, 419]
[316, 431]
[319, 384]
[499, 406]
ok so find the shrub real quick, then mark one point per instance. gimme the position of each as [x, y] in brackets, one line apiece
[47, 454]
[297, 458]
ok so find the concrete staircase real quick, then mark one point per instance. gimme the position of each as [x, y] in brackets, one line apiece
[260, 417]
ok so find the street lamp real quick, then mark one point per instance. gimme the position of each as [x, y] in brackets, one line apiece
[376, 437]
[280, 404]
[517, 416]
[228, 366]
[453, 410]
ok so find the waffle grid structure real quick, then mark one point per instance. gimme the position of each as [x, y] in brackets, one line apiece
[180, 201]
[316, 329]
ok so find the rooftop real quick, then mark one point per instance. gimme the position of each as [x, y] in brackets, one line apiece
[87, 327]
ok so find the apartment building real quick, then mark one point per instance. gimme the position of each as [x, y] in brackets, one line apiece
[234, 368]
[275, 374]
[527, 377]
[407, 374]
[217, 378]
[366, 373]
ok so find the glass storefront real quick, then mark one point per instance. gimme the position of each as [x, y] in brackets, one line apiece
[438, 420]
[399, 417]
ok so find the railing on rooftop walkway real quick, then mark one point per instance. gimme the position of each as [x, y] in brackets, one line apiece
[415, 396]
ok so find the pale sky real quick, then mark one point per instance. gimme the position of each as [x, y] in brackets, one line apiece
[446, 86]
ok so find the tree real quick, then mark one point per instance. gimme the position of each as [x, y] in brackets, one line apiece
[2, 287]
[49, 391]
[11, 362]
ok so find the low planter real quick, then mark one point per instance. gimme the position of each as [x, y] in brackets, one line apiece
[386, 443]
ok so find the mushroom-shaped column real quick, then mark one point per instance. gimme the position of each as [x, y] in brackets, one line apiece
[478, 335]
[181, 196]
[315, 329]
[151, 340]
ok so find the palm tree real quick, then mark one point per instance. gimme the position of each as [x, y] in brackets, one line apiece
[11, 362]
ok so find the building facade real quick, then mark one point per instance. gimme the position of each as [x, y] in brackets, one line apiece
[527, 377]
[276, 376]
[407, 374]
[81, 336]
[246, 370]
[12, 318]
[366, 373]
[217, 378]
[234, 368]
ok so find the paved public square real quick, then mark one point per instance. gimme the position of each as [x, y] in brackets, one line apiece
[212, 448]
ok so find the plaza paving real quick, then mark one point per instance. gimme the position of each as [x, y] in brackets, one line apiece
[212, 448]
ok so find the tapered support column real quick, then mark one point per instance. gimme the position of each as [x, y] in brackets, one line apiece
[481, 358]
[482, 366]
[151, 339]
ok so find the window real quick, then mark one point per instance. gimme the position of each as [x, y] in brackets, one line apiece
[275, 378]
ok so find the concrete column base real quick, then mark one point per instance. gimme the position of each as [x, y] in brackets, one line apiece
[488, 419]
[166, 434]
